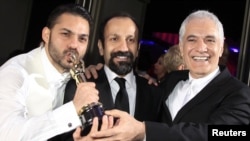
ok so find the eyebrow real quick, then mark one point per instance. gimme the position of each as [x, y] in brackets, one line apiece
[207, 36]
[65, 29]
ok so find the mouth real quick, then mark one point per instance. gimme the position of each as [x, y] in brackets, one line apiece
[201, 58]
[121, 58]
[68, 58]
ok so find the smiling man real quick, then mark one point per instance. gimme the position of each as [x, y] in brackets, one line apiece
[205, 94]
[119, 45]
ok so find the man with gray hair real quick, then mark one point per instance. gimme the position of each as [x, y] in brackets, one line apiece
[205, 94]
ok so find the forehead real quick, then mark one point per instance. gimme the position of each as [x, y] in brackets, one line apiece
[73, 21]
[121, 25]
[201, 27]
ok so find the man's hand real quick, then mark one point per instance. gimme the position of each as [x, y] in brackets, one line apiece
[150, 79]
[125, 128]
[107, 122]
[91, 70]
[86, 93]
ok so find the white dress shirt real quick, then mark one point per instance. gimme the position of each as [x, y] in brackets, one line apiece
[31, 96]
[130, 87]
[184, 91]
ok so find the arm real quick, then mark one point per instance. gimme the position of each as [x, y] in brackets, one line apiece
[150, 79]
[26, 108]
[91, 71]
[229, 106]
[125, 128]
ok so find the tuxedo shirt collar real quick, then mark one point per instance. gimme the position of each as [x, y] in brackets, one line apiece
[202, 82]
[186, 90]
[130, 87]
[52, 74]
[130, 78]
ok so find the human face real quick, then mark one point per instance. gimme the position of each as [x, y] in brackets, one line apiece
[120, 45]
[70, 33]
[201, 47]
[159, 68]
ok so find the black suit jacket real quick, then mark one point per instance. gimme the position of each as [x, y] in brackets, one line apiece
[147, 96]
[225, 100]
[147, 99]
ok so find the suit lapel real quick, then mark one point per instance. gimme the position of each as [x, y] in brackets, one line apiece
[39, 99]
[200, 97]
[207, 91]
[138, 99]
[104, 90]
[171, 80]
[143, 103]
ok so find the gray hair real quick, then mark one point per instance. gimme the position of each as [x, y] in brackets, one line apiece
[202, 14]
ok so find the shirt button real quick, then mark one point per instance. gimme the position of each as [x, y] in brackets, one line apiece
[69, 124]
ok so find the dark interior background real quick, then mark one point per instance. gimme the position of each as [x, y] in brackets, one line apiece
[160, 27]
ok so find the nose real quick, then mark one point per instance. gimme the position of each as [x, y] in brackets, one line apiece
[73, 42]
[124, 45]
[201, 46]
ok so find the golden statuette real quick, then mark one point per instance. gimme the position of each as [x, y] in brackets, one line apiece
[88, 112]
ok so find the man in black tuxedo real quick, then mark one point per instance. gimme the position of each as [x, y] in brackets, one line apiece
[205, 94]
[119, 45]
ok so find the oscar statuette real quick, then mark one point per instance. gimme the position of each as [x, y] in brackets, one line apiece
[88, 112]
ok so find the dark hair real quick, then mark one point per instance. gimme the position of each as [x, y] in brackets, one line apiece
[73, 9]
[115, 15]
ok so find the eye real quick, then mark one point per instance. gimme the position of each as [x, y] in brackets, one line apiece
[113, 39]
[210, 40]
[191, 39]
[66, 34]
[83, 39]
[131, 40]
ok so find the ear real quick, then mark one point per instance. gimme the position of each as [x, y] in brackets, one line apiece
[46, 34]
[100, 47]
[138, 50]
[222, 50]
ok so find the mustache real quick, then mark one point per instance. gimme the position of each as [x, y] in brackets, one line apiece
[122, 53]
[69, 51]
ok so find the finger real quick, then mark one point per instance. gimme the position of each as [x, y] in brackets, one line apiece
[77, 134]
[152, 81]
[110, 121]
[94, 127]
[104, 133]
[115, 113]
[87, 74]
[99, 66]
[116, 122]
[155, 83]
[104, 122]
[93, 71]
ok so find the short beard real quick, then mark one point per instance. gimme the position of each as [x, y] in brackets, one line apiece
[122, 67]
[59, 58]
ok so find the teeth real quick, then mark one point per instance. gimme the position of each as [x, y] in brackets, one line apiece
[200, 58]
[122, 57]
